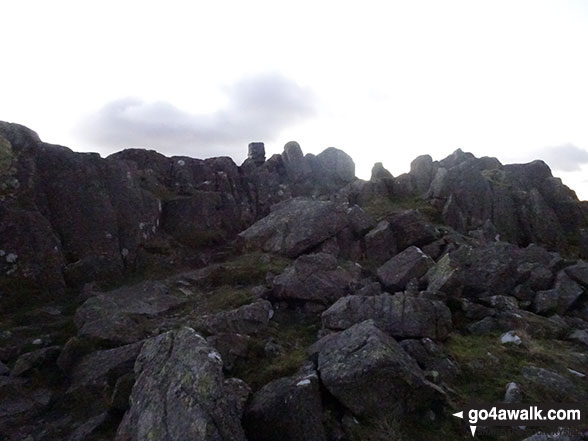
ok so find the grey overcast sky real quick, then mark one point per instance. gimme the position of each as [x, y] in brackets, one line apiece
[383, 80]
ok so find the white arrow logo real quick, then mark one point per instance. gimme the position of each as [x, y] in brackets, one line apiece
[460, 415]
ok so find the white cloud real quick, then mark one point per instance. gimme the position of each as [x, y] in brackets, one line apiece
[257, 108]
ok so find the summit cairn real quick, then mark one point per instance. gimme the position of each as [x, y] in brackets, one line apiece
[256, 152]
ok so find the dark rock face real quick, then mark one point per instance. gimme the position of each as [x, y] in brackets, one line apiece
[523, 201]
[289, 408]
[313, 277]
[370, 373]
[401, 315]
[180, 392]
[69, 218]
[296, 226]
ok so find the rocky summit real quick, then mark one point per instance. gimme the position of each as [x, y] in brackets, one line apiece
[147, 298]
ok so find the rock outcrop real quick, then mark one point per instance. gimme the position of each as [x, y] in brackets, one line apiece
[342, 309]
[180, 393]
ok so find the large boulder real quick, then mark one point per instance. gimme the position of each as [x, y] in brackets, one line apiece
[399, 270]
[313, 277]
[370, 374]
[180, 392]
[288, 409]
[402, 315]
[296, 226]
[335, 166]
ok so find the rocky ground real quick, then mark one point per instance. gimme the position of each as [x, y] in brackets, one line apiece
[152, 298]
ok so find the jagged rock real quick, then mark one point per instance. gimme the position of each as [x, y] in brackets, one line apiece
[112, 316]
[410, 263]
[380, 244]
[295, 164]
[565, 294]
[445, 276]
[180, 392]
[578, 273]
[35, 360]
[360, 221]
[289, 408]
[553, 385]
[430, 357]
[401, 315]
[4, 370]
[247, 319]
[313, 277]
[475, 311]
[371, 375]
[379, 172]
[422, 172]
[97, 372]
[296, 226]
[411, 228]
[72, 351]
[239, 391]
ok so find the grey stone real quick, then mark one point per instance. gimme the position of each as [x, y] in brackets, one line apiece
[513, 393]
[360, 221]
[313, 277]
[380, 244]
[410, 263]
[553, 385]
[180, 392]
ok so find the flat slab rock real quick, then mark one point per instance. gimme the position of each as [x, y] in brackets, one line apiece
[111, 316]
[296, 226]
